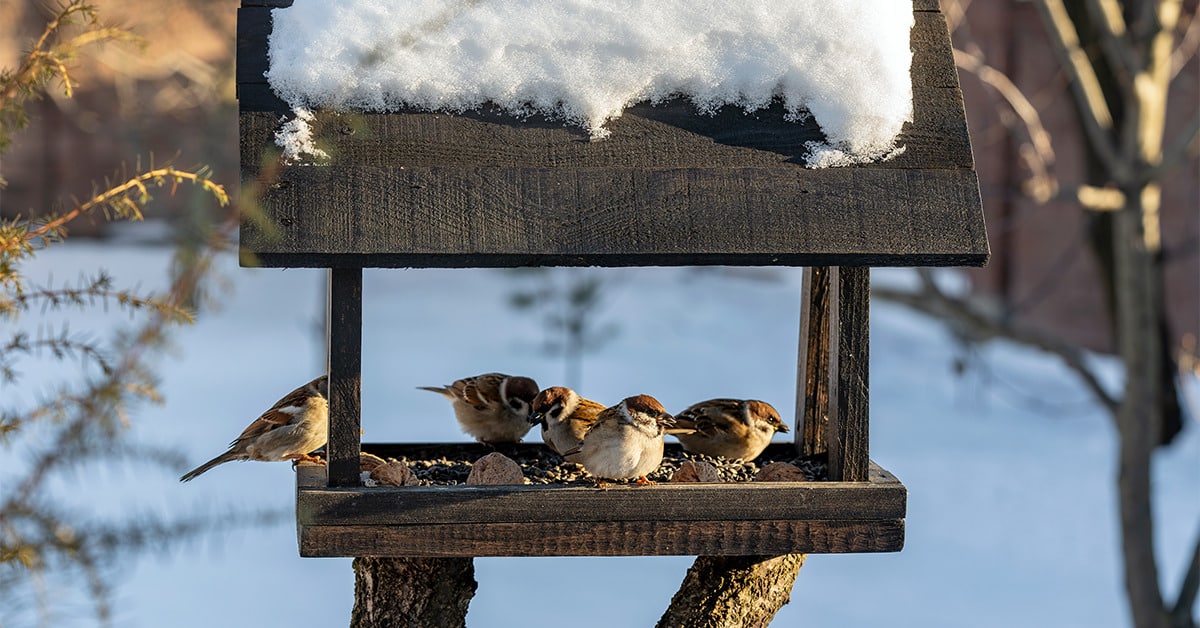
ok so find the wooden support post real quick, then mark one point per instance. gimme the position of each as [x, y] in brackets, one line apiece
[849, 373]
[812, 373]
[738, 591]
[345, 375]
[412, 592]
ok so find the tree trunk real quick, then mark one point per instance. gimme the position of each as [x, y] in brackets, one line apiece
[1140, 413]
[412, 592]
[741, 592]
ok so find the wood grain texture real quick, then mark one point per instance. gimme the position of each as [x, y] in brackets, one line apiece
[849, 388]
[621, 538]
[669, 187]
[345, 375]
[414, 217]
[665, 502]
[812, 372]
[548, 520]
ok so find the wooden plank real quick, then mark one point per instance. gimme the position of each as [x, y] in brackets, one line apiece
[812, 386]
[624, 538]
[345, 375]
[746, 501]
[850, 377]
[668, 135]
[386, 216]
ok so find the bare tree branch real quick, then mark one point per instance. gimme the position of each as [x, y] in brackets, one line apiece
[1039, 157]
[1107, 14]
[1094, 112]
[1188, 44]
[1177, 152]
[983, 325]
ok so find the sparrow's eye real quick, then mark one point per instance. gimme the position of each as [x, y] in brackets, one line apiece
[555, 412]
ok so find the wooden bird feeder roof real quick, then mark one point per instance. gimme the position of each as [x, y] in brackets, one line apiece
[669, 187]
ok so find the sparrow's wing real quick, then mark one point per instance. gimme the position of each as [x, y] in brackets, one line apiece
[710, 417]
[280, 414]
[480, 390]
[587, 411]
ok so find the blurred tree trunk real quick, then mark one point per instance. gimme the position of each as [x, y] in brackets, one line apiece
[1117, 57]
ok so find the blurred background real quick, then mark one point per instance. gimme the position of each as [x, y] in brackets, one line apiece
[1022, 392]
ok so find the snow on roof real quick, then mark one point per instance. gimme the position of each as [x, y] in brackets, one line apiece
[846, 63]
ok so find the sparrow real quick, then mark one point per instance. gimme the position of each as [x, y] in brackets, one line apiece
[564, 416]
[730, 428]
[293, 427]
[493, 407]
[626, 441]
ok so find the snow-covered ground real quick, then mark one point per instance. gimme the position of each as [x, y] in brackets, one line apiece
[1011, 516]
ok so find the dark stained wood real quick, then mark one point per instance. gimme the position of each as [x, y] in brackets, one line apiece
[345, 375]
[541, 520]
[413, 217]
[850, 375]
[812, 373]
[669, 502]
[668, 135]
[617, 538]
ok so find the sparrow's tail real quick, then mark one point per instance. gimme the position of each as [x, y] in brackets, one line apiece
[221, 459]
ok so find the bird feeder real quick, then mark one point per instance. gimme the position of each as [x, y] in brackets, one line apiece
[669, 187]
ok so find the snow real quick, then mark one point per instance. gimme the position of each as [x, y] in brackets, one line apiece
[845, 63]
[1011, 517]
[295, 137]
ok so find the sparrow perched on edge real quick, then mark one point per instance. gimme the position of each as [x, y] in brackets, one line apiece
[730, 428]
[626, 441]
[564, 416]
[493, 407]
[293, 427]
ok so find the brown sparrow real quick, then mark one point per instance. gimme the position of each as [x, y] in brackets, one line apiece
[492, 408]
[626, 441]
[293, 427]
[730, 428]
[564, 416]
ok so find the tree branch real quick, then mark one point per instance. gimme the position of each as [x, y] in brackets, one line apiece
[1093, 108]
[1177, 151]
[1040, 156]
[1188, 44]
[1107, 14]
[984, 326]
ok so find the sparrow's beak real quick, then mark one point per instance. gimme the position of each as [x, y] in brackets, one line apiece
[537, 418]
[782, 428]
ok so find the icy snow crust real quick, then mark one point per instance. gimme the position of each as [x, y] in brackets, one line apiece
[845, 62]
